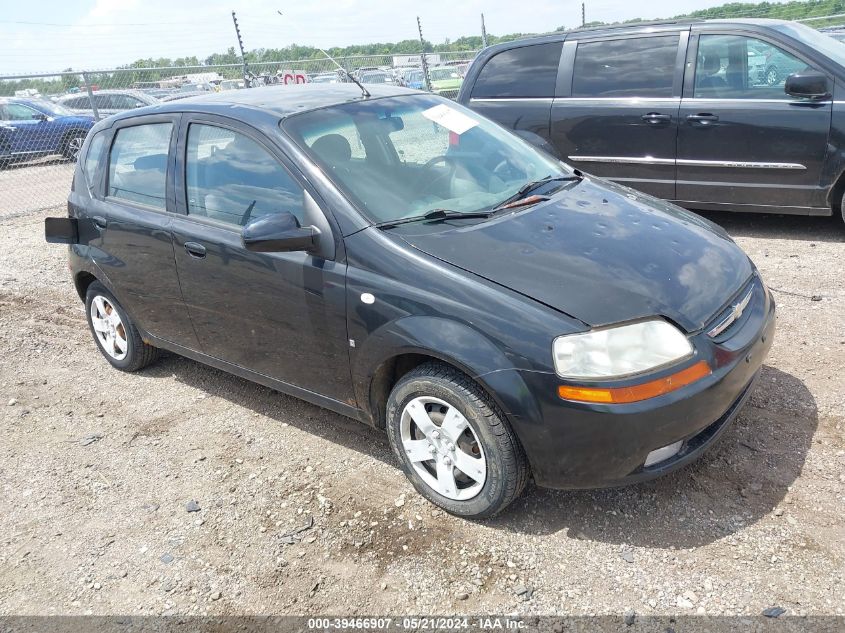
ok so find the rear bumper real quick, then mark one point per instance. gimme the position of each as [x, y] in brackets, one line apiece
[579, 445]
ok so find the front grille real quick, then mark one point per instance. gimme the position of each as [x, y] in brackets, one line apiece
[736, 313]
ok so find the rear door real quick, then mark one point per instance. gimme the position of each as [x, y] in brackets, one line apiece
[515, 88]
[616, 114]
[743, 143]
[133, 218]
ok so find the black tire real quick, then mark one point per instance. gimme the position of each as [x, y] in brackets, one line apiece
[72, 144]
[507, 471]
[841, 208]
[138, 354]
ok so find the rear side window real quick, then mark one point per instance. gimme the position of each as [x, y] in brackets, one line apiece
[80, 103]
[138, 164]
[529, 71]
[633, 67]
[231, 178]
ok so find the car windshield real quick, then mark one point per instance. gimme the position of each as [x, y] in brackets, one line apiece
[438, 74]
[54, 109]
[815, 40]
[404, 156]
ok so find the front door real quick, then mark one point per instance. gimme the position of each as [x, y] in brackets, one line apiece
[282, 315]
[23, 128]
[617, 116]
[743, 143]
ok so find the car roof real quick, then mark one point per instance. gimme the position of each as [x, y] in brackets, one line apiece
[279, 100]
[626, 28]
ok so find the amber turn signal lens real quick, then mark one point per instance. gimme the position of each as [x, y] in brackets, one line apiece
[635, 393]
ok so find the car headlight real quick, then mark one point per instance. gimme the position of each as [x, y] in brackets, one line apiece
[619, 351]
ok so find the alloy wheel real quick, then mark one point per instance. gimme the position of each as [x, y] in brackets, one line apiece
[443, 448]
[109, 328]
[74, 145]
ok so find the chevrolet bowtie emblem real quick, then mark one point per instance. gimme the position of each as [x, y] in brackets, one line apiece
[736, 312]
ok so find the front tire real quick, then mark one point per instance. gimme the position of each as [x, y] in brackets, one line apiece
[115, 334]
[453, 443]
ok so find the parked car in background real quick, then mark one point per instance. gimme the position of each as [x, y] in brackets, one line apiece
[326, 78]
[740, 115]
[375, 77]
[231, 84]
[402, 260]
[32, 128]
[108, 102]
[414, 79]
[445, 81]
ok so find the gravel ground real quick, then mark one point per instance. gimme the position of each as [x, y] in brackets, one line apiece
[186, 490]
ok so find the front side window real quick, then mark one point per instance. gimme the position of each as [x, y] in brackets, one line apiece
[529, 71]
[738, 67]
[18, 112]
[631, 67]
[79, 103]
[422, 153]
[231, 178]
[138, 164]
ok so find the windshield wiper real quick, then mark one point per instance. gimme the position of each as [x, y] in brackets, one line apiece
[436, 215]
[528, 186]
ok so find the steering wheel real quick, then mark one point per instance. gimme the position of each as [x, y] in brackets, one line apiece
[423, 180]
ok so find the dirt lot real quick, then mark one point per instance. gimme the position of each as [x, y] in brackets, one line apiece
[97, 467]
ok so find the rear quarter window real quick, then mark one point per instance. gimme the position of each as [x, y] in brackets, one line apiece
[528, 71]
[92, 158]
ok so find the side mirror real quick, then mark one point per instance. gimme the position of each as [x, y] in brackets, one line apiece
[41, 117]
[807, 85]
[278, 233]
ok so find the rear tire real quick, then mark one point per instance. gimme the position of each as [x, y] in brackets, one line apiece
[115, 334]
[453, 443]
[842, 208]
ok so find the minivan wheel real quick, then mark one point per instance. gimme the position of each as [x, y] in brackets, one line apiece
[453, 443]
[116, 336]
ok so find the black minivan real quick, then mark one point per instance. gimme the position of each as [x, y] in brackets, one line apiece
[399, 259]
[739, 115]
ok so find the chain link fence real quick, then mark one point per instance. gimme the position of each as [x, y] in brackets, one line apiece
[44, 117]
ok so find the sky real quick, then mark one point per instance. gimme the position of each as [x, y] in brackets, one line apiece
[100, 34]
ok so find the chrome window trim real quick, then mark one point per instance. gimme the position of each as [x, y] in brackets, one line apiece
[505, 99]
[735, 312]
[684, 162]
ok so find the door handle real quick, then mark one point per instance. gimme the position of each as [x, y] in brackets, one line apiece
[703, 119]
[195, 250]
[655, 118]
[100, 222]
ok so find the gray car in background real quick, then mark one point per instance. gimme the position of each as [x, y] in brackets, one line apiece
[108, 102]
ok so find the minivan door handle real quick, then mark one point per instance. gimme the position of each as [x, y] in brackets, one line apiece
[702, 119]
[655, 118]
[195, 250]
[100, 222]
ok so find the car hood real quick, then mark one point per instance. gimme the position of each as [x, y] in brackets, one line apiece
[601, 253]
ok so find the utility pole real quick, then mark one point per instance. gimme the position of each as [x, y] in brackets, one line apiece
[483, 32]
[243, 55]
[583, 16]
[423, 57]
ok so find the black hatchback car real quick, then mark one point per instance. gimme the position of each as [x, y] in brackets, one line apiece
[737, 115]
[404, 261]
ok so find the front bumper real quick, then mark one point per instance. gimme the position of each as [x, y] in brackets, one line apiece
[582, 445]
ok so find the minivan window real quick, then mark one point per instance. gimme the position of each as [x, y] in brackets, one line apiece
[528, 71]
[738, 67]
[630, 67]
[138, 164]
[231, 178]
